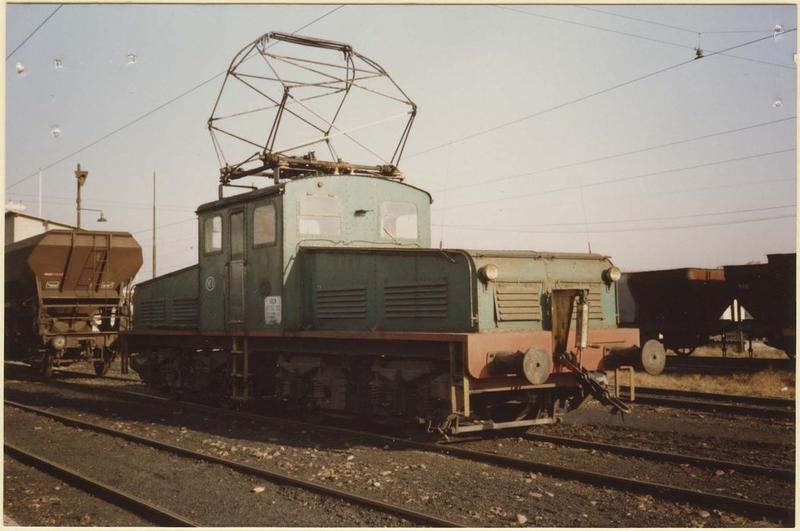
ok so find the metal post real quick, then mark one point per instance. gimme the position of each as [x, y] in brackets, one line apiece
[78, 200]
[40, 192]
[154, 224]
[80, 176]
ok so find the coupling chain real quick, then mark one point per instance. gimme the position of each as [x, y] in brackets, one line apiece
[592, 385]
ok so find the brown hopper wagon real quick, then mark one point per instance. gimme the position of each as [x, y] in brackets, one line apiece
[65, 296]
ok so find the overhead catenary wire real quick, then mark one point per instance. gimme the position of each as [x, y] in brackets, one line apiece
[646, 21]
[616, 155]
[627, 178]
[32, 33]
[630, 229]
[148, 229]
[583, 98]
[640, 220]
[55, 199]
[151, 111]
[642, 37]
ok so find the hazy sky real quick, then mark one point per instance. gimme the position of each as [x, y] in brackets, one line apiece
[528, 134]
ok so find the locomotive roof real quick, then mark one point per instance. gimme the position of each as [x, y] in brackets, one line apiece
[279, 188]
[485, 253]
[480, 253]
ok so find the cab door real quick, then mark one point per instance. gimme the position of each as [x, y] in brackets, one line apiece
[264, 267]
[213, 257]
[235, 271]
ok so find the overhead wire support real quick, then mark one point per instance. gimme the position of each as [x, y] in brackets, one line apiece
[641, 37]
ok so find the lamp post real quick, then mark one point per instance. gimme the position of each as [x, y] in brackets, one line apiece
[101, 219]
[81, 175]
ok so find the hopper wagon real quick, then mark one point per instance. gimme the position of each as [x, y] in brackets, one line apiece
[65, 296]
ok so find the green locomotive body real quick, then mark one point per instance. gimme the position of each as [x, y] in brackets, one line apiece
[324, 292]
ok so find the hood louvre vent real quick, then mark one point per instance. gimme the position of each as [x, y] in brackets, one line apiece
[518, 301]
[420, 300]
[341, 303]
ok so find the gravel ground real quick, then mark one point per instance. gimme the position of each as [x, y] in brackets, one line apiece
[715, 442]
[33, 498]
[473, 493]
[664, 420]
[721, 481]
[210, 494]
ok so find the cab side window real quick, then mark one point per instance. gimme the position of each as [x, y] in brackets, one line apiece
[264, 225]
[212, 234]
[320, 215]
[399, 220]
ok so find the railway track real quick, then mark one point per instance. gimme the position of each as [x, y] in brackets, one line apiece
[747, 405]
[656, 455]
[277, 477]
[726, 365]
[706, 499]
[143, 508]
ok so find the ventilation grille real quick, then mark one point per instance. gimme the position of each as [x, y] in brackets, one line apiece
[151, 312]
[415, 301]
[341, 303]
[595, 297]
[184, 311]
[518, 302]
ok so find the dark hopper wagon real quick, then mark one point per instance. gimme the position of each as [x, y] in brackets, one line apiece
[65, 296]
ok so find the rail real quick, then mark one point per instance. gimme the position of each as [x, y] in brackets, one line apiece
[413, 516]
[136, 505]
[706, 462]
[735, 504]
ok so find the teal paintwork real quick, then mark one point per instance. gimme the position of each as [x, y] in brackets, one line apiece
[388, 289]
[168, 301]
[547, 271]
[357, 277]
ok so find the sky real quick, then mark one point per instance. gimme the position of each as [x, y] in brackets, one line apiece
[552, 128]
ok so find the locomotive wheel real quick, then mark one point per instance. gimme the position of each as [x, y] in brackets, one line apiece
[654, 357]
[684, 351]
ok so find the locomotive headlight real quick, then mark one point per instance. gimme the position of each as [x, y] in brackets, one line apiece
[489, 272]
[612, 274]
[58, 342]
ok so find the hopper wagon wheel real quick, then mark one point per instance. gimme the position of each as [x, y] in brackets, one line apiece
[45, 367]
[101, 366]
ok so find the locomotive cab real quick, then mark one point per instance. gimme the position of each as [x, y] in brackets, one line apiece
[249, 267]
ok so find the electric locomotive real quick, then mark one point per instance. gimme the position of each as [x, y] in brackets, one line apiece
[321, 290]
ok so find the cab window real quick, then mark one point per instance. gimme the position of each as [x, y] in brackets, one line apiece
[212, 234]
[264, 224]
[237, 234]
[320, 215]
[399, 220]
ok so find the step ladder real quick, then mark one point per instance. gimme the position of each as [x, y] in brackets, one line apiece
[240, 369]
[95, 264]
